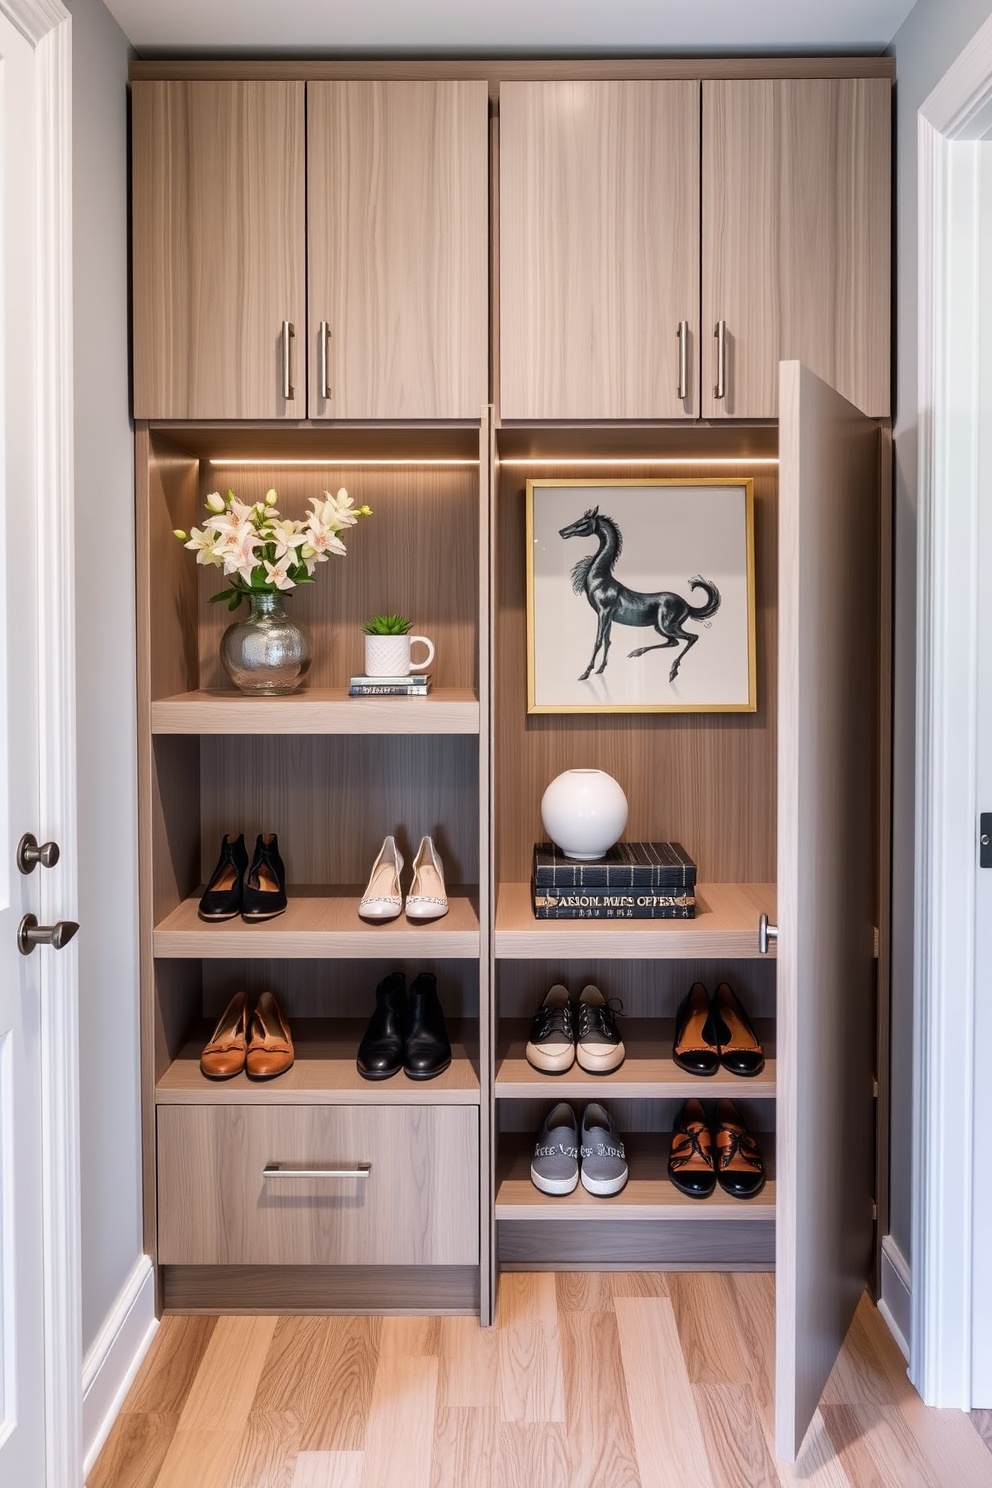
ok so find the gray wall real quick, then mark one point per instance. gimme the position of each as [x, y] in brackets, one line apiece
[108, 909]
[930, 39]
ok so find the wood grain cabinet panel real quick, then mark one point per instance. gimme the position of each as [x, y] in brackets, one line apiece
[418, 1206]
[219, 242]
[796, 239]
[599, 249]
[398, 249]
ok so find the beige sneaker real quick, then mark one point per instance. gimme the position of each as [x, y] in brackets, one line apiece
[599, 1047]
[551, 1046]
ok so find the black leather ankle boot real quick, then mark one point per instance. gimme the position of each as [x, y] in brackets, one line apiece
[428, 1050]
[380, 1054]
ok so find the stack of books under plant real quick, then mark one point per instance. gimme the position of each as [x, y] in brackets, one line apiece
[389, 671]
[632, 881]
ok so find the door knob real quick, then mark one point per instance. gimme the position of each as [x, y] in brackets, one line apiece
[766, 933]
[29, 854]
[30, 934]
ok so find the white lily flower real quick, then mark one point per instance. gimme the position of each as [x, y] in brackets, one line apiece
[216, 502]
[270, 497]
[237, 516]
[286, 535]
[277, 574]
[204, 545]
[239, 555]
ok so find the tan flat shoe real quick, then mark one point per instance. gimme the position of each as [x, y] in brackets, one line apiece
[270, 1044]
[224, 1055]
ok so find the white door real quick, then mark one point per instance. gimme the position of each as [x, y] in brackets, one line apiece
[31, 565]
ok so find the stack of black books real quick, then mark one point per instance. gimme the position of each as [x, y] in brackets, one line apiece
[633, 881]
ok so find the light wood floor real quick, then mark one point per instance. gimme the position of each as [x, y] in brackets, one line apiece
[588, 1381]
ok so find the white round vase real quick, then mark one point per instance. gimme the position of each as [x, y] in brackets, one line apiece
[584, 812]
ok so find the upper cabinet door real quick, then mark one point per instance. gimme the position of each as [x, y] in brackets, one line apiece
[796, 256]
[599, 250]
[829, 690]
[398, 249]
[219, 214]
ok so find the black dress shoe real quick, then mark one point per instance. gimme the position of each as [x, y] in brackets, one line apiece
[380, 1054]
[740, 1171]
[265, 887]
[695, 1049]
[740, 1049]
[428, 1049]
[690, 1162]
[221, 898]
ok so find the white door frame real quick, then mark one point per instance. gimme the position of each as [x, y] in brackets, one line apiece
[46, 24]
[950, 1212]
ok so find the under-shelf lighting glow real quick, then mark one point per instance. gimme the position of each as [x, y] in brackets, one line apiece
[737, 462]
[336, 464]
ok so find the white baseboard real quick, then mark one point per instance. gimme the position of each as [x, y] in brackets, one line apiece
[895, 1302]
[112, 1363]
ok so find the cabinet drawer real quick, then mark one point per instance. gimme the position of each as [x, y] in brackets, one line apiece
[418, 1204]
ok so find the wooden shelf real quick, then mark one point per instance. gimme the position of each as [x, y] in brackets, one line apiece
[324, 1074]
[647, 1073]
[322, 921]
[648, 1194]
[317, 710]
[725, 926]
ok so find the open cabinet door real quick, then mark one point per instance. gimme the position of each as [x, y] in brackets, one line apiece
[827, 846]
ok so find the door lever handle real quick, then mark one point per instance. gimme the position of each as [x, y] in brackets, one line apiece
[29, 854]
[31, 934]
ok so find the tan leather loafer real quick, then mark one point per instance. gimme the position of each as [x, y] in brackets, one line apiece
[270, 1044]
[224, 1055]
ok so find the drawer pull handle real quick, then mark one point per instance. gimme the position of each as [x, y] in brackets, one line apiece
[325, 336]
[720, 332]
[279, 1170]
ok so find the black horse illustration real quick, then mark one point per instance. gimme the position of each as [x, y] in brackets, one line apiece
[612, 601]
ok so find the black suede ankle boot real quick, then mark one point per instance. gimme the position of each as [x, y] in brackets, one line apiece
[428, 1050]
[380, 1054]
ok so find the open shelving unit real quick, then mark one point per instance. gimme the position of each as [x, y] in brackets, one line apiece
[331, 775]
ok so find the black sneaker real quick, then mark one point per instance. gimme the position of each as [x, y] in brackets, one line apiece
[551, 1046]
[599, 1047]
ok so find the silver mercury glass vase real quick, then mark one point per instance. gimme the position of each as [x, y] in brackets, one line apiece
[266, 654]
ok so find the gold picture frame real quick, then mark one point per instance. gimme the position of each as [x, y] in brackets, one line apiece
[634, 539]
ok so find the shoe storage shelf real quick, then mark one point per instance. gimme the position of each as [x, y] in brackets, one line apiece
[331, 775]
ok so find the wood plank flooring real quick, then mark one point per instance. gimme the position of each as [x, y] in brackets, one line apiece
[587, 1381]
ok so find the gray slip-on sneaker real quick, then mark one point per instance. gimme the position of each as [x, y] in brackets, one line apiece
[604, 1162]
[551, 1046]
[554, 1168]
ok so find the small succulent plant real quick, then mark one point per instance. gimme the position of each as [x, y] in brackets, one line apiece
[387, 625]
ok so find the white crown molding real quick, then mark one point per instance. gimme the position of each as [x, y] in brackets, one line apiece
[35, 18]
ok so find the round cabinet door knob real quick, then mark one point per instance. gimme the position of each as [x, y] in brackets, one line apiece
[31, 934]
[29, 854]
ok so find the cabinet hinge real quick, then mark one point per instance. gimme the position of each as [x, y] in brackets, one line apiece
[874, 1089]
[874, 1212]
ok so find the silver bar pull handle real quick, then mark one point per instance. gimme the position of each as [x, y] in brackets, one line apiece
[683, 334]
[31, 934]
[720, 332]
[280, 1170]
[288, 332]
[766, 933]
[325, 336]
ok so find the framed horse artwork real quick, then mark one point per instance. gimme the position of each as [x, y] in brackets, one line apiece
[640, 596]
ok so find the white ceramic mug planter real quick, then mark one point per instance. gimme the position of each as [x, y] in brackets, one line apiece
[389, 655]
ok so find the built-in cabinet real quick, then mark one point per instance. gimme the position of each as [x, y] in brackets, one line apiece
[365, 202]
[268, 1186]
[599, 250]
[664, 244]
